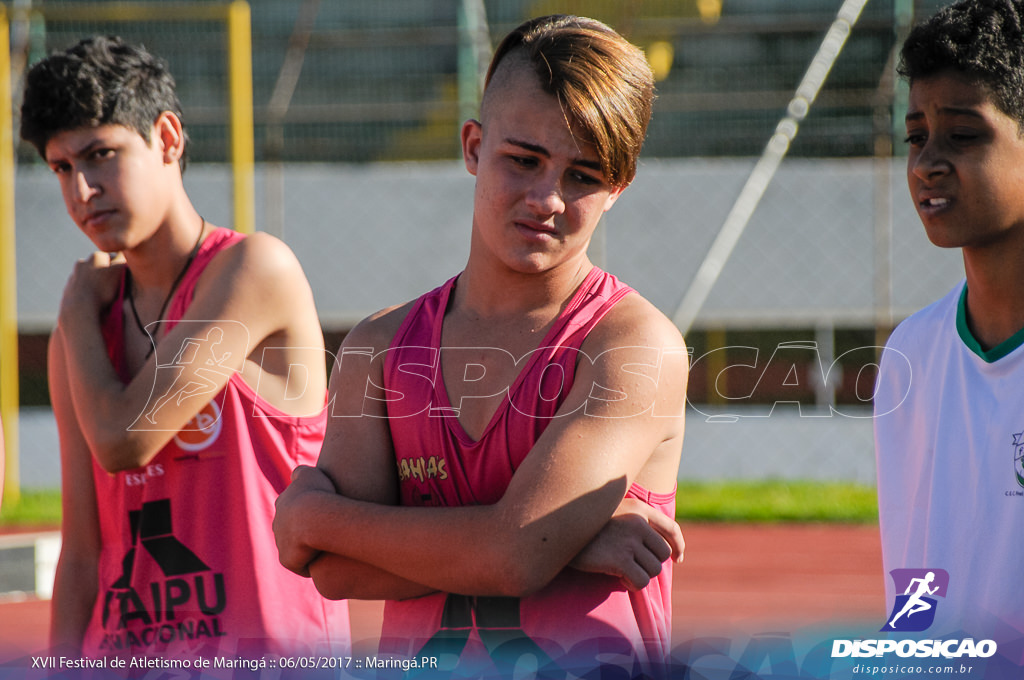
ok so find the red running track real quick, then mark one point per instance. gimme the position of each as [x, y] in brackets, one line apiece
[736, 579]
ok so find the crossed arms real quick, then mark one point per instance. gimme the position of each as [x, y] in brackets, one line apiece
[340, 523]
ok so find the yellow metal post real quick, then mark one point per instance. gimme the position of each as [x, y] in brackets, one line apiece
[240, 86]
[9, 399]
[717, 362]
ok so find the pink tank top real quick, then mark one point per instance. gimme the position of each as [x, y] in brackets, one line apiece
[579, 617]
[189, 567]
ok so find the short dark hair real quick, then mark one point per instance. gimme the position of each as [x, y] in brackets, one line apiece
[982, 39]
[601, 80]
[100, 81]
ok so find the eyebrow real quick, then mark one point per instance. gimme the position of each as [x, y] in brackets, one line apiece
[77, 153]
[538, 149]
[947, 111]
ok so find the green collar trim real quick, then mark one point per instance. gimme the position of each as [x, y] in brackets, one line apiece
[989, 356]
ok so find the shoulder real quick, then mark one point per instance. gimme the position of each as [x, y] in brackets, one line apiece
[260, 267]
[378, 330]
[928, 324]
[636, 348]
[915, 354]
[634, 321]
[257, 254]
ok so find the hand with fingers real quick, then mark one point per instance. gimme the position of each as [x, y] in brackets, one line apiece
[92, 285]
[633, 545]
[292, 514]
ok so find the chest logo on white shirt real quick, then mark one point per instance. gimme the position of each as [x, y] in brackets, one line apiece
[1018, 457]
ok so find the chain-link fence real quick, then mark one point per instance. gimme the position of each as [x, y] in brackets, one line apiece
[357, 108]
[378, 81]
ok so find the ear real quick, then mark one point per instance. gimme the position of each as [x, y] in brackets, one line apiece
[472, 137]
[613, 196]
[167, 132]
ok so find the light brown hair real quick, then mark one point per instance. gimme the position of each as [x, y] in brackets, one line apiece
[602, 82]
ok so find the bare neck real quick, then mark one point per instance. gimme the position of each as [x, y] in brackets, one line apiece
[492, 293]
[157, 262]
[995, 294]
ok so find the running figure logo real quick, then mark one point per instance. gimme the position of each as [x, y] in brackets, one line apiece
[209, 365]
[914, 610]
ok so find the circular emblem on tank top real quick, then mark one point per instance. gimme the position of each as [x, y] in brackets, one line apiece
[202, 430]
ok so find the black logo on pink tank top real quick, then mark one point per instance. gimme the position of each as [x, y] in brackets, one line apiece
[181, 604]
[497, 622]
[485, 637]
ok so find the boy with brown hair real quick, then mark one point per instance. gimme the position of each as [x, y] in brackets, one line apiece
[501, 465]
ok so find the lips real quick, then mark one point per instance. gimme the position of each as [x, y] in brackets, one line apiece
[96, 218]
[538, 228]
[932, 201]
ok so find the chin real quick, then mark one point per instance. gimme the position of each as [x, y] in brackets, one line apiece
[942, 237]
[526, 263]
[525, 269]
[945, 243]
[110, 245]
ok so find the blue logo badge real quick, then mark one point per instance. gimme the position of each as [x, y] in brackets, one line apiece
[914, 610]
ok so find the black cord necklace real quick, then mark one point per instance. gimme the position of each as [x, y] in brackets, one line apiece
[174, 286]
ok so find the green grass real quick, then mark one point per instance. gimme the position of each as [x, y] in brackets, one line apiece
[777, 501]
[33, 509]
[767, 501]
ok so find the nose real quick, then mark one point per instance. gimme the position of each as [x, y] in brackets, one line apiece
[930, 161]
[83, 189]
[545, 196]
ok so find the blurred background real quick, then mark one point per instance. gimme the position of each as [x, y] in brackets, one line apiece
[356, 108]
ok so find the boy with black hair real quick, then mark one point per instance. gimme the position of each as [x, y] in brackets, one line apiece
[950, 398]
[171, 460]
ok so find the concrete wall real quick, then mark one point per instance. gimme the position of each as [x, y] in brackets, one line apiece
[370, 236]
[373, 235]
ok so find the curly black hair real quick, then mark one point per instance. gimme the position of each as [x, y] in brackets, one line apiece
[100, 81]
[983, 39]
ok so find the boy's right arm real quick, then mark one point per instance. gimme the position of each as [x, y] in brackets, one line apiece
[76, 581]
[357, 459]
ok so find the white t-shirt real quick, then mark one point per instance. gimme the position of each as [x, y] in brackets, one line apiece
[949, 437]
